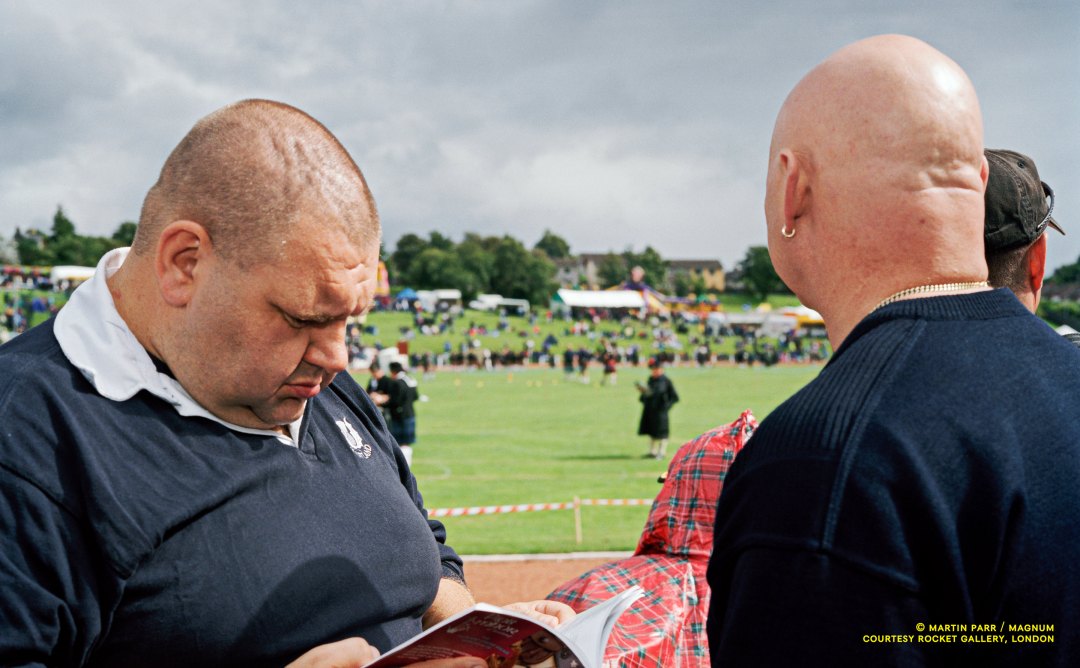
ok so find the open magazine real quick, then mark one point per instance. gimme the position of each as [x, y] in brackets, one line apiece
[507, 638]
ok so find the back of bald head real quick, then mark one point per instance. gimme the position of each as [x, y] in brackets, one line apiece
[249, 173]
[891, 130]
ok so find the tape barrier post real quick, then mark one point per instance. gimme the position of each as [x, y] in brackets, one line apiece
[577, 520]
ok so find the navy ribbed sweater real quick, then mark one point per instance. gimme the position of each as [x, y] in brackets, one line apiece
[929, 475]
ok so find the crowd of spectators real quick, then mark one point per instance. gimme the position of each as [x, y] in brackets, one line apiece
[21, 298]
[615, 337]
[19, 277]
[19, 309]
[611, 339]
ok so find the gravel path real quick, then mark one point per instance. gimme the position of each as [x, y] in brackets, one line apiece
[502, 579]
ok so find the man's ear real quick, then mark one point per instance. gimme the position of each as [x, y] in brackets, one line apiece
[1036, 264]
[182, 245]
[796, 187]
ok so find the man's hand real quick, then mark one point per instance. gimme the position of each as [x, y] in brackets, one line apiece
[551, 613]
[355, 652]
[348, 653]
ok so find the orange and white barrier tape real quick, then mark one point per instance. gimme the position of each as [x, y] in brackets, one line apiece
[530, 507]
[616, 502]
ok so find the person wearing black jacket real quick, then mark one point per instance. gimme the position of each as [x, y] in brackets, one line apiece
[657, 398]
[401, 395]
[378, 387]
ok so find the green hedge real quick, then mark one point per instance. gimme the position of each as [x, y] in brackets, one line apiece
[1061, 313]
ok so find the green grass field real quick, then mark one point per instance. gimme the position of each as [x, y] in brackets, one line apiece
[531, 436]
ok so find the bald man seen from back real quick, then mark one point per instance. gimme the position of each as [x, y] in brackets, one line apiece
[187, 478]
[929, 475]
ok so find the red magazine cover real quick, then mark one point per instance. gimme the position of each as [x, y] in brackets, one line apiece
[507, 638]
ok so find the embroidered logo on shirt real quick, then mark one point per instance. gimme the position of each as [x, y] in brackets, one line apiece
[352, 437]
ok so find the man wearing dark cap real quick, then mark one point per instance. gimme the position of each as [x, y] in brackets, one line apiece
[1018, 208]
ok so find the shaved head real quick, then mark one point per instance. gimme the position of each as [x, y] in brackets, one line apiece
[250, 173]
[888, 111]
[876, 163]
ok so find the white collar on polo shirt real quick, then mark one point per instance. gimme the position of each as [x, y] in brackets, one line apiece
[98, 342]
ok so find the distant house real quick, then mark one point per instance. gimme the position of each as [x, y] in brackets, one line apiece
[1061, 291]
[734, 280]
[580, 271]
[583, 271]
[567, 271]
[709, 271]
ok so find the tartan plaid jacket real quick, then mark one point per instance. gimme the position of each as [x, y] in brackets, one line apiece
[666, 627]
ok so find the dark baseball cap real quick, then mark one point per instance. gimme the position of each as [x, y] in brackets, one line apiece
[1018, 203]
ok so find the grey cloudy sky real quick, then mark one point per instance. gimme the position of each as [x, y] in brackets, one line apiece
[611, 123]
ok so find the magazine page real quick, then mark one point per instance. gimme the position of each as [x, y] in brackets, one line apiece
[507, 638]
[596, 623]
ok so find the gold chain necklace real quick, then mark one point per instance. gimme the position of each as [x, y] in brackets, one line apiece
[936, 287]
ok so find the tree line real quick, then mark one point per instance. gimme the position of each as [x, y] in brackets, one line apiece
[475, 265]
[62, 245]
[503, 265]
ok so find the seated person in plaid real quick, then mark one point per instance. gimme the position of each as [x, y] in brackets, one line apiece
[667, 627]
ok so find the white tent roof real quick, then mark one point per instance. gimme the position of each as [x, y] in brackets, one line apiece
[738, 318]
[801, 312]
[772, 324]
[70, 272]
[445, 294]
[602, 298]
[492, 302]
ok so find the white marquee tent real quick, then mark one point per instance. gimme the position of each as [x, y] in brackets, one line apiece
[600, 298]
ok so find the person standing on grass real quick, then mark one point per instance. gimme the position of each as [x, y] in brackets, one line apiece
[657, 398]
[401, 394]
[611, 369]
[378, 386]
[583, 358]
[568, 362]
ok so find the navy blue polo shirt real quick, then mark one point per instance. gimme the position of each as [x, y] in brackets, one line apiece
[136, 535]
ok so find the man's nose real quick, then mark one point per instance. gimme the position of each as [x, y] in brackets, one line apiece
[327, 349]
